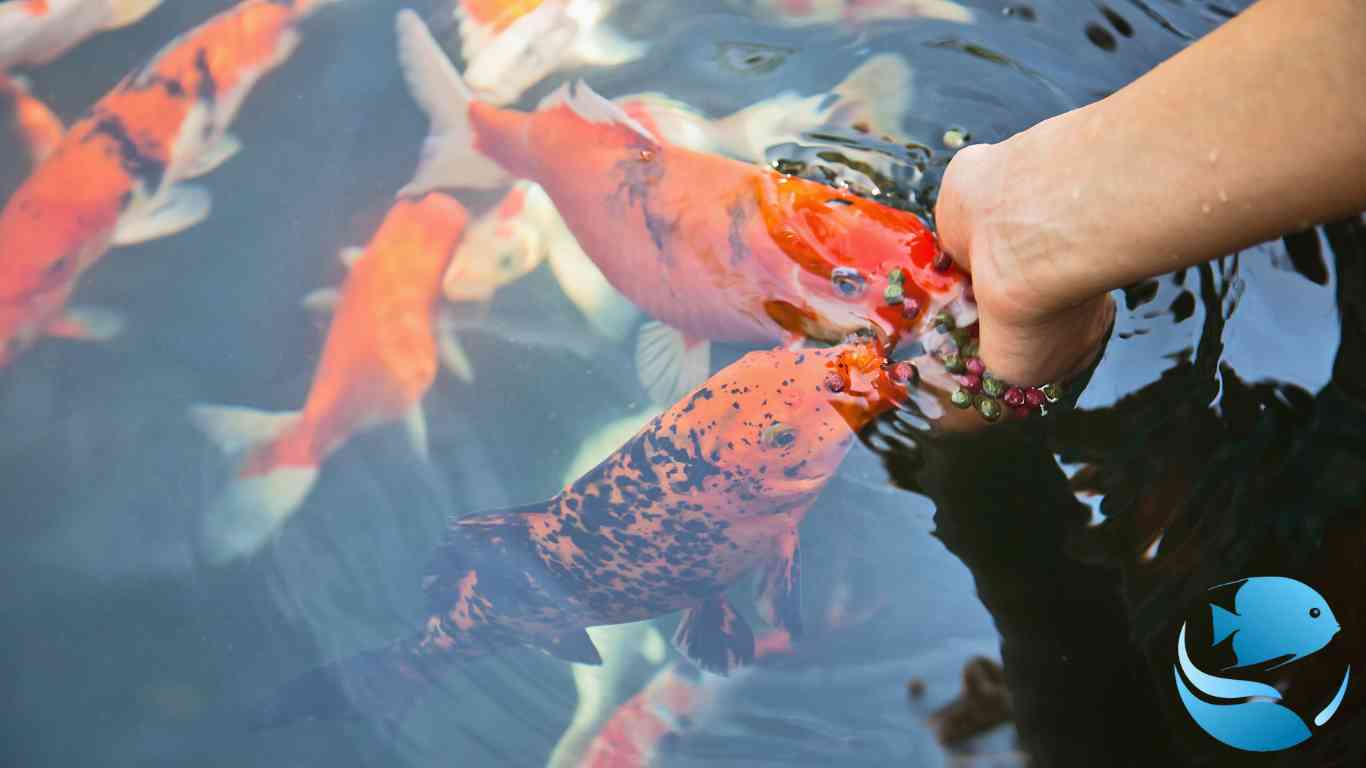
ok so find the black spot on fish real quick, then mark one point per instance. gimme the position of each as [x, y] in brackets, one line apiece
[135, 160]
[208, 87]
[704, 393]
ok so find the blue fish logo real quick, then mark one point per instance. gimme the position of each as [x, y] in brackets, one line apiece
[1273, 617]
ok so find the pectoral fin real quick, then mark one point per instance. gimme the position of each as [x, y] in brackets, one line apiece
[668, 363]
[415, 425]
[575, 646]
[451, 351]
[212, 156]
[87, 324]
[321, 301]
[182, 208]
[779, 593]
[714, 637]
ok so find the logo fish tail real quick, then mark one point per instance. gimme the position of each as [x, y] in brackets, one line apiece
[449, 156]
[1224, 623]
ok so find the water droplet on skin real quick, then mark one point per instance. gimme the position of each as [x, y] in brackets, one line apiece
[1223, 196]
[1205, 207]
[1213, 156]
[1076, 193]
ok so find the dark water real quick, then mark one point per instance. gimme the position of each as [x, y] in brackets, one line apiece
[1225, 418]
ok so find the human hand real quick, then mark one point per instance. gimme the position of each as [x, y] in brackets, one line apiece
[1038, 323]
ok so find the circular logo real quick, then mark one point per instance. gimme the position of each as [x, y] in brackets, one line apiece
[1262, 623]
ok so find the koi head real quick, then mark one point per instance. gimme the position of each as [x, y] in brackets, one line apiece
[501, 247]
[861, 264]
[785, 418]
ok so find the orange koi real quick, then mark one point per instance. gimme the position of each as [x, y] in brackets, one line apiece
[113, 178]
[510, 45]
[708, 492]
[713, 248]
[802, 12]
[377, 364]
[36, 32]
[33, 124]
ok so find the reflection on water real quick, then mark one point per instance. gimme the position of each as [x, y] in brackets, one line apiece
[1218, 438]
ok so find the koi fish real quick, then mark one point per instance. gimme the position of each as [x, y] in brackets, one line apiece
[707, 492]
[36, 32]
[802, 12]
[510, 45]
[674, 697]
[30, 120]
[113, 179]
[524, 230]
[713, 248]
[378, 361]
[518, 235]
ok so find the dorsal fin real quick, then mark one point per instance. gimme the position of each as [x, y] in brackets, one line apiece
[593, 107]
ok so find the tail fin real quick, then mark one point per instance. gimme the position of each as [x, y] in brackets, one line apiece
[522, 55]
[260, 499]
[1223, 622]
[128, 12]
[877, 94]
[449, 157]
[381, 684]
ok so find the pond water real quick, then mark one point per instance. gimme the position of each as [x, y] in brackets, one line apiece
[1219, 437]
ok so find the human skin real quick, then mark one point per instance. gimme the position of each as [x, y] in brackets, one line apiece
[1255, 130]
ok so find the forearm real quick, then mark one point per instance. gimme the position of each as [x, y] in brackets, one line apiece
[1253, 131]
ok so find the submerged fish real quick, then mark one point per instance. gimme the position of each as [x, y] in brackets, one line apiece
[377, 363]
[518, 235]
[708, 492]
[35, 32]
[714, 248]
[672, 700]
[874, 98]
[510, 45]
[113, 178]
[1274, 617]
[799, 12]
[32, 123]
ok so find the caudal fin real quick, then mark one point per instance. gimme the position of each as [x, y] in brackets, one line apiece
[449, 158]
[130, 12]
[261, 498]
[1223, 622]
[381, 684]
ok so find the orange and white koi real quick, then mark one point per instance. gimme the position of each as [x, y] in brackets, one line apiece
[510, 45]
[524, 230]
[802, 12]
[31, 122]
[708, 492]
[713, 248]
[678, 694]
[113, 179]
[377, 364]
[35, 32]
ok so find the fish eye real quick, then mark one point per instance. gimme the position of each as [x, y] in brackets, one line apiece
[849, 282]
[778, 436]
[752, 58]
[1314, 613]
